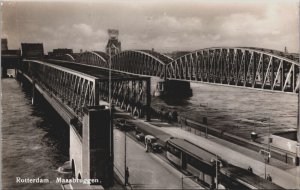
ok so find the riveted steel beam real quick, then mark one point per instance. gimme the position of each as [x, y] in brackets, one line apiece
[75, 89]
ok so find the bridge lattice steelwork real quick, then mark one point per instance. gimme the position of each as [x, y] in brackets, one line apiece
[95, 58]
[78, 86]
[77, 90]
[247, 67]
[237, 66]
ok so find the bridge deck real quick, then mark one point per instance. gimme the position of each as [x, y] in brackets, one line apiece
[101, 73]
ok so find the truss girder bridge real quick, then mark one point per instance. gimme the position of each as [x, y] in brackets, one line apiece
[237, 66]
[141, 62]
[77, 86]
[246, 67]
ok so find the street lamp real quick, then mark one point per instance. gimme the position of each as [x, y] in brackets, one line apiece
[125, 159]
[110, 106]
[110, 113]
[216, 171]
[266, 154]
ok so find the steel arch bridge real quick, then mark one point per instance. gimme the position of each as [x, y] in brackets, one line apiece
[65, 57]
[237, 66]
[241, 66]
[141, 62]
[95, 58]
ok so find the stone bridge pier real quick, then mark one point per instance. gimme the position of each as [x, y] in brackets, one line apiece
[91, 154]
[173, 88]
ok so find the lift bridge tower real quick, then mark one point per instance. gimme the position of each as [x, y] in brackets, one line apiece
[113, 44]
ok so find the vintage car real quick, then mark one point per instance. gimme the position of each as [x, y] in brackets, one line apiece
[140, 136]
[151, 144]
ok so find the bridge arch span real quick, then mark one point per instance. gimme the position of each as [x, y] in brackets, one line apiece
[237, 66]
[139, 62]
[95, 58]
[164, 58]
[64, 57]
[287, 55]
[68, 57]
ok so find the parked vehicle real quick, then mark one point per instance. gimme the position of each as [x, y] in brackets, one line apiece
[124, 125]
[118, 122]
[140, 136]
[156, 147]
[128, 126]
[151, 144]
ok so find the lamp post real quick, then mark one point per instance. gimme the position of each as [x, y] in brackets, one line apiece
[111, 115]
[125, 159]
[110, 104]
[266, 151]
[216, 171]
[298, 134]
[265, 168]
[269, 139]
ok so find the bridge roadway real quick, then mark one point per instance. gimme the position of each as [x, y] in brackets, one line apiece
[147, 170]
[284, 175]
[98, 72]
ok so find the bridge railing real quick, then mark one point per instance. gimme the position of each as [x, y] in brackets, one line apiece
[128, 91]
[75, 89]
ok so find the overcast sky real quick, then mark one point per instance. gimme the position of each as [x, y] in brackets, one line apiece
[160, 24]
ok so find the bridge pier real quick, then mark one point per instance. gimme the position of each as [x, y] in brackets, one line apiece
[91, 151]
[97, 149]
[173, 88]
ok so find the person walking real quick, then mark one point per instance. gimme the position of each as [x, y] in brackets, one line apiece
[126, 176]
[250, 169]
[269, 178]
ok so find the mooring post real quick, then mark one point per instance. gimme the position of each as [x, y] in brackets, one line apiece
[21, 78]
[33, 98]
[97, 160]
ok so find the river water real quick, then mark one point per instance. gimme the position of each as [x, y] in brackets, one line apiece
[236, 110]
[34, 141]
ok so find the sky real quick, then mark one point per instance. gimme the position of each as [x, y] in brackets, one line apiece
[165, 25]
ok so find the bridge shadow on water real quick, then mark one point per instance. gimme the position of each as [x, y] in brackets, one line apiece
[57, 130]
[173, 100]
